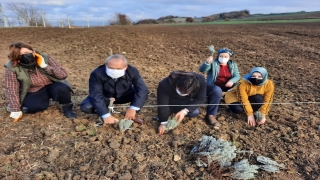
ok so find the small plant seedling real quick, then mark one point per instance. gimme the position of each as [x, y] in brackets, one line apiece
[291, 134]
[211, 49]
[171, 124]
[258, 116]
[235, 143]
[41, 176]
[81, 128]
[125, 124]
[92, 132]
[8, 168]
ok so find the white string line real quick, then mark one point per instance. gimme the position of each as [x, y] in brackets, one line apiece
[275, 103]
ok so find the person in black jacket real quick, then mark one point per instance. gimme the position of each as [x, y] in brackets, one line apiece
[184, 89]
[115, 79]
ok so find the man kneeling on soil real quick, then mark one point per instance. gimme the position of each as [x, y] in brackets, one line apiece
[115, 79]
[182, 89]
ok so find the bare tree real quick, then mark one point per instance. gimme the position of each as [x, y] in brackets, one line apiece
[65, 23]
[120, 19]
[27, 13]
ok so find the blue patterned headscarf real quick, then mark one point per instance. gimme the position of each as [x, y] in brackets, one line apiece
[262, 71]
[225, 50]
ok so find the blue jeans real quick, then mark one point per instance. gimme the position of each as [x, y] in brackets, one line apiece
[214, 94]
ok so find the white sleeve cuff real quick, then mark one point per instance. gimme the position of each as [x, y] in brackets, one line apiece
[106, 115]
[134, 108]
[43, 65]
[164, 122]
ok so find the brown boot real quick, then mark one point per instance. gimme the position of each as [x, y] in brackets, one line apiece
[211, 120]
[138, 120]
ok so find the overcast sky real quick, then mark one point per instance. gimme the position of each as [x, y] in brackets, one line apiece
[101, 11]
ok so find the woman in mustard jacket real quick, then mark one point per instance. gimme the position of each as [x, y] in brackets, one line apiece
[252, 95]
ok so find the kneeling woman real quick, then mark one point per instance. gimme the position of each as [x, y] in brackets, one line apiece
[182, 93]
[252, 95]
[32, 79]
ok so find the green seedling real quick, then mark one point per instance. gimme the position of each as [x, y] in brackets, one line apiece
[211, 49]
[171, 124]
[8, 167]
[125, 124]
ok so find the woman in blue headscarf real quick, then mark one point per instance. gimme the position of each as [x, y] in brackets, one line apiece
[222, 75]
[252, 95]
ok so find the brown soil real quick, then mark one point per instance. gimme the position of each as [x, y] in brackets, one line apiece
[46, 145]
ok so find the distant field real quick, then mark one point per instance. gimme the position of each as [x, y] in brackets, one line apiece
[273, 18]
[249, 22]
[283, 16]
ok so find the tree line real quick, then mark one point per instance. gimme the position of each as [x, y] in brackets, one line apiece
[213, 17]
[226, 15]
[32, 16]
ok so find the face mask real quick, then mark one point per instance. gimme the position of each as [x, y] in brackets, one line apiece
[256, 81]
[27, 61]
[181, 93]
[223, 60]
[27, 58]
[114, 73]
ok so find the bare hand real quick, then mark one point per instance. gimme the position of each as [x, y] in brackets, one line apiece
[161, 129]
[210, 59]
[179, 116]
[251, 120]
[229, 84]
[262, 121]
[110, 120]
[130, 114]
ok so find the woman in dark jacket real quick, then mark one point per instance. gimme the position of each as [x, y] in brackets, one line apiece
[184, 89]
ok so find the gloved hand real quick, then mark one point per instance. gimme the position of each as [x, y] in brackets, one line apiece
[16, 116]
[40, 61]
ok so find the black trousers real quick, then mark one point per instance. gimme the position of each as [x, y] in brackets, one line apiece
[87, 107]
[39, 101]
[237, 108]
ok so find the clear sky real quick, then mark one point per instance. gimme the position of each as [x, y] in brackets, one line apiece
[101, 11]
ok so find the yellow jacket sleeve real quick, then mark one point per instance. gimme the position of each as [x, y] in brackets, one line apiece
[267, 97]
[242, 94]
